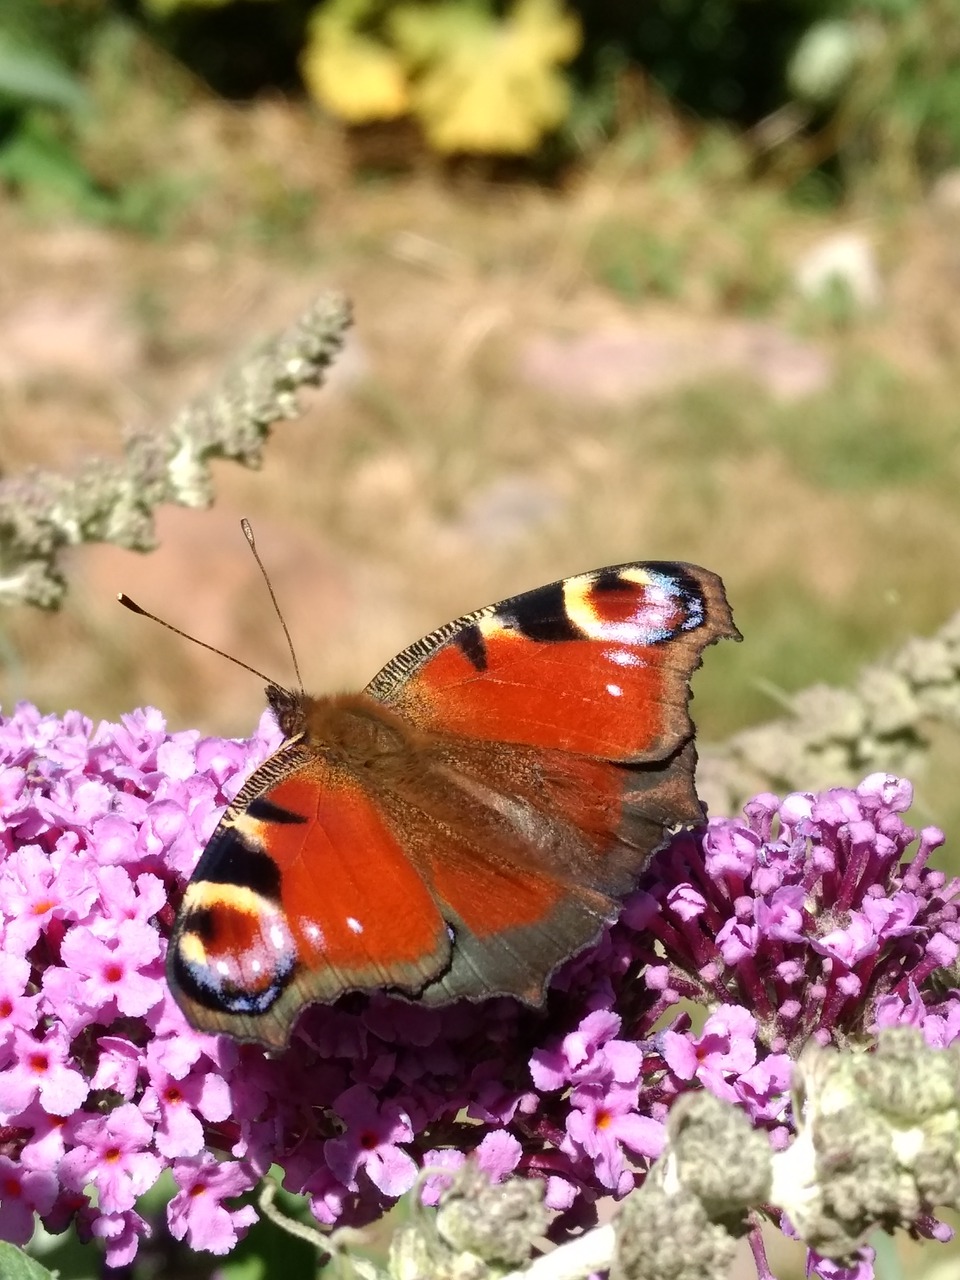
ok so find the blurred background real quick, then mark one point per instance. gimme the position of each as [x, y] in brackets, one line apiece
[665, 279]
[674, 279]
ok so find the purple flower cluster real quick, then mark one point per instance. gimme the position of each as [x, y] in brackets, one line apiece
[804, 918]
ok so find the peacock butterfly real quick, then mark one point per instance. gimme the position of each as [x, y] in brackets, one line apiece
[466, 823]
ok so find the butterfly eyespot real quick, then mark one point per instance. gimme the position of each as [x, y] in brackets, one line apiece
[232, 949]
[244, 984]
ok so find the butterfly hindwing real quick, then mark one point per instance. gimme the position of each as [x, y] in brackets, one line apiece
[575, 833]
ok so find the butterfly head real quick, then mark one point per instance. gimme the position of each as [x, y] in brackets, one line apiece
[289, 709]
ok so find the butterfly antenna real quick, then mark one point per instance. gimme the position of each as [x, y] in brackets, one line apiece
[248, 534]
[135, 608]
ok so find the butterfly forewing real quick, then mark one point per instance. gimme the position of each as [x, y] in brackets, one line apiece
[302, 893]
[596, 664]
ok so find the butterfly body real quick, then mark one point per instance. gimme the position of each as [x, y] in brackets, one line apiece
[465, 824]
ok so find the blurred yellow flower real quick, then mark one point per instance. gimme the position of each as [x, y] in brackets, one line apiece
[476, 82]
[354, 76]
[483, 84]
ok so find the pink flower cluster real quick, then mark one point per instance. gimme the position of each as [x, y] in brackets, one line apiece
[806, 917]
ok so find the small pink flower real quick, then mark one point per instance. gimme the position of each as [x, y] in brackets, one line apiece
[121, 1234]
[601, 1122]
[737, 940]
[724, 1049]
[41, 1069]
[373, 1130]
[112, 1155]
[851, 944]
[118, 1068]
[780, 914]
[23, 1192]
[178, 1106]
[48, 1137]
[436, 1183]
[197, 1212]
[124, 899]
[590, 1053]
[18, 1011]
[39, 889]
[111, 971]
[498, 1154]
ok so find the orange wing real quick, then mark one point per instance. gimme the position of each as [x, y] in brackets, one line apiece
[597, 665]
[301, 894]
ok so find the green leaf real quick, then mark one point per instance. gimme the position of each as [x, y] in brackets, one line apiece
[34, 79]
[164, 8]
[15, 1265]
[35, 159]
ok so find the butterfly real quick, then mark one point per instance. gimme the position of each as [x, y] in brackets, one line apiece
[469, 821]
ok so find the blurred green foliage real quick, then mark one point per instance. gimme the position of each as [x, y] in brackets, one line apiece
[868, 92]
[42, 50]
[893, 101]
[15, 1265]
